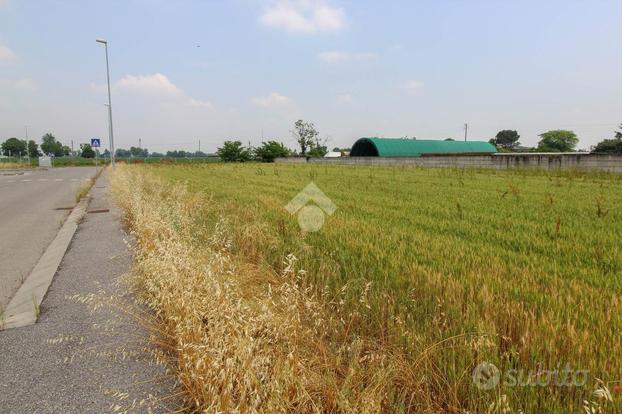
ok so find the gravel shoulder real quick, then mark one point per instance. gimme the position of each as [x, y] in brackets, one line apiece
[80, 357]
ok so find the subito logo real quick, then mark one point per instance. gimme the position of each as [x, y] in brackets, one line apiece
[311, 216]
[486, 376]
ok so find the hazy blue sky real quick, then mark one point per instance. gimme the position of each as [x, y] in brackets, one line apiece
[215, 70]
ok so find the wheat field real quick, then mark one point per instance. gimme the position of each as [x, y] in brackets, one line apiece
[418, 277]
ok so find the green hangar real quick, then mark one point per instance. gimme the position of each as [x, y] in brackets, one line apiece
[402, 147]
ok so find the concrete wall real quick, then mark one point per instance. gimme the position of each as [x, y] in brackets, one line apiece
[581, 161]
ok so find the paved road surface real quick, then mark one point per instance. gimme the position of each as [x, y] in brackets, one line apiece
[28, 219]
[79, 358]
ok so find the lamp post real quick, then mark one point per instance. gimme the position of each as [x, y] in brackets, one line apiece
[110, 133]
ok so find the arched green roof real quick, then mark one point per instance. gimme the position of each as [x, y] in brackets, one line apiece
[398, 147]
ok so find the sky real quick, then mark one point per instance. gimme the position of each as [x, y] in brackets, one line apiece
[187, 71]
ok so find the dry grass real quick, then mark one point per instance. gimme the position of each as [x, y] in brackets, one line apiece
[84, 189]
[370, 327]
[14, 165]
[248, 340]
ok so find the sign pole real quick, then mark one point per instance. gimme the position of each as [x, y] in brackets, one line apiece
[96, 143]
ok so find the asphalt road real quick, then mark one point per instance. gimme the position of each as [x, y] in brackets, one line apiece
[29, 220]
[88, 353]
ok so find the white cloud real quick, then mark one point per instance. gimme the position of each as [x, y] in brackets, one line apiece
[25, 85]
[344, 99]
[157, 84]
[336, 56]
[413, 85]
[154, 85]
[305, 16]
[275, 99]
[199, 104]
[6, 54]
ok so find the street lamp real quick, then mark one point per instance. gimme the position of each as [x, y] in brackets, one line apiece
[110, 133]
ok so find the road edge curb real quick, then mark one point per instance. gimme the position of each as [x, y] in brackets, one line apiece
[24, 307]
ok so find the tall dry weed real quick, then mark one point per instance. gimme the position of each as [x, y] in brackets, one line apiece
[247, 339]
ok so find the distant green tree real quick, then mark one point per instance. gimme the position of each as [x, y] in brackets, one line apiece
[270, 150]
[14, 147]
[87, 151]
[139, 152]
[506, 139]
[558, 141]
[234, 151]
[317, 150]
[50, 146]
[451, 139]
[122, 153]
[33, 149]
[106, 153]
[610, 146]
[305, 134]
[178, 154]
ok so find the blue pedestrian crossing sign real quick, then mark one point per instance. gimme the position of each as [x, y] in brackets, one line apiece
[95, 142]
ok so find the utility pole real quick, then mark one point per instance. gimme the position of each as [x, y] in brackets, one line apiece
[199, 145]
[110, 133]
[466, 131]
[140, 143]
[72, 147]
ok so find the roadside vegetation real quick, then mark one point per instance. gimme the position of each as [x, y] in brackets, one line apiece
[14, 165]
[419, 276]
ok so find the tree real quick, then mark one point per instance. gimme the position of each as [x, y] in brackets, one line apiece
[507, 139]
[611, 146]
[51, 146]
[270, 150]
[139, 152]
[305, 134]
[87, 151]
[106, 153]
[558, 141]
[121, 153]
[14, 147]
[33, 149]
[234, 151]
[317, 150]
[177, 154]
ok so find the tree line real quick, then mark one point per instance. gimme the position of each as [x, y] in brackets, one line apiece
[559, 140]
[309, 142]
[305, 133]
[15, 147]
